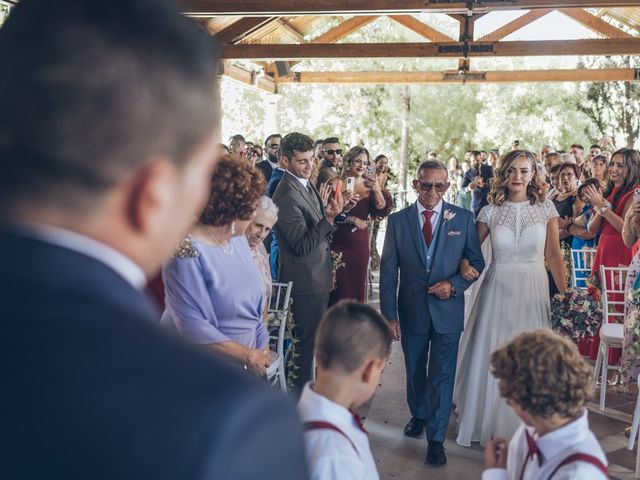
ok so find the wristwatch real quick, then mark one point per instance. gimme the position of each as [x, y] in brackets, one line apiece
[601, 210]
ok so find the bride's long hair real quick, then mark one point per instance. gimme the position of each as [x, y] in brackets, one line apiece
[499, 191]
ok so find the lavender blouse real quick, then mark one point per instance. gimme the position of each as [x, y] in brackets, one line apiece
[214, 294]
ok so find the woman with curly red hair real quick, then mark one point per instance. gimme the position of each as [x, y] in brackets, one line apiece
[214, 292]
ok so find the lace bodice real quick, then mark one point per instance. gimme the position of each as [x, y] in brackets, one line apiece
[518, 231]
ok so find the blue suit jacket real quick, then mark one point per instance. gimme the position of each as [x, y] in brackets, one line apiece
[93, 388]
[403, 256]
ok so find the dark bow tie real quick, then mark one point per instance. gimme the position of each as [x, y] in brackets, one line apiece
[533, 449]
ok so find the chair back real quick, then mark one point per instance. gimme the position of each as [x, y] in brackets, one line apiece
[279, 301]
[581, 262]
[612, 280]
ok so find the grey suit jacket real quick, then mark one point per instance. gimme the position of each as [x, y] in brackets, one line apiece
[303, 236]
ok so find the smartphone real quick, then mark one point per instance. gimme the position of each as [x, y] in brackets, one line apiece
[351, 184]
[636, 195]
[370, 171]
[337, 190]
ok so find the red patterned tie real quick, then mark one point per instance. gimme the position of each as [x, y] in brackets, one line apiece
[427, 231]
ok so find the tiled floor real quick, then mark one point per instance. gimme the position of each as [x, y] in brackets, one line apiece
[399, 457]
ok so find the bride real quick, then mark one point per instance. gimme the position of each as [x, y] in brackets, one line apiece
[514, 295]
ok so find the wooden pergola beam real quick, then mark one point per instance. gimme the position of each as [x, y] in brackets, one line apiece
[421, 28]
[242, 28]
[582, 75]
[626, 46]
[515, 25]
[252, 80]
[333, 35]
[290, 30]
[371, 7]
[594, 23]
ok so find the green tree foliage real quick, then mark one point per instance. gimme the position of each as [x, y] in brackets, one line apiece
[614, 107]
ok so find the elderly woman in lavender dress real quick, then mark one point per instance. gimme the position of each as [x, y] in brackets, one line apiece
[214, 292]
[259, 228]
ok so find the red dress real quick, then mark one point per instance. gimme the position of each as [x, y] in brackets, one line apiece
[611, 252]
[354, 246]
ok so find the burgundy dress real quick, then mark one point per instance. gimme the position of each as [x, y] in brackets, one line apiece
[354, 246]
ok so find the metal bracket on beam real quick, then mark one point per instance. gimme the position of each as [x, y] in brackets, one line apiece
[482, 48]
[296, 77]
[463, 76]
[636, 74]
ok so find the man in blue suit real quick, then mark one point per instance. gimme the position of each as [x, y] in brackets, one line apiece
[107, 147]
[425, 243]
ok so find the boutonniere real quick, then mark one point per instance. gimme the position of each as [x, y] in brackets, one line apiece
[448, 215]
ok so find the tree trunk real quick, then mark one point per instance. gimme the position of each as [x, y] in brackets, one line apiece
[404, 146]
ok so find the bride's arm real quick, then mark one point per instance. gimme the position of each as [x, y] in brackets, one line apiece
[553, 255]
[483, 231]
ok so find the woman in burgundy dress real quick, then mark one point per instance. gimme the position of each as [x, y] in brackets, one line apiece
[352, 237]
[611, 208]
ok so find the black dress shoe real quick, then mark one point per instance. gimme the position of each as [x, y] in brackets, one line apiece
[435, 454]
[414, 428]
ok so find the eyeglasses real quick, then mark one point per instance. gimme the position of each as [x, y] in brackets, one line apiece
[331, 152]
[274, 145]
[440, 187]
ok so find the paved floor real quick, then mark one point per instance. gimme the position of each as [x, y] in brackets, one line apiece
[399, 457]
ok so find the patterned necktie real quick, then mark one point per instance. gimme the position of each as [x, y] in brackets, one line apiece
[427, 231]
[314, 198]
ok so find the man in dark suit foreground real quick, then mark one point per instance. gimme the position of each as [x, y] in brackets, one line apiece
[107, 141]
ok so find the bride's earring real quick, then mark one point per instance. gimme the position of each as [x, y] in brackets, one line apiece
[233, 228]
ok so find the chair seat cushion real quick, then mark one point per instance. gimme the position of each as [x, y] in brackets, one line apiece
[612, 333]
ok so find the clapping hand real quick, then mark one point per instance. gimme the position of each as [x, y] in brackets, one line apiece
[495, 453]
[636, 213]
[442, 289]
[593, 196]
[325, 192]
[564, 222]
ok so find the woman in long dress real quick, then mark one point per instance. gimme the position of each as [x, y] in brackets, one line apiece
[514, 295]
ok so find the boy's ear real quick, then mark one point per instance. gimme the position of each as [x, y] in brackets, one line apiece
[371, 367]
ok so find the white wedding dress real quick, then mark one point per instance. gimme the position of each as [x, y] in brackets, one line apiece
[513, 298]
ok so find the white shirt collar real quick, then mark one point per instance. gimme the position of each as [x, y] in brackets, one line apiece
[437, 208]
[120, 263]
[313, 406]
[303, 181]
[557, 440]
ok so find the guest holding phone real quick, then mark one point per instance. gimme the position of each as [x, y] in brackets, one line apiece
[352, 237]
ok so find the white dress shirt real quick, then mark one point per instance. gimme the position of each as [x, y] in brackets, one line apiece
[555, 446]
[303, 181]
[437, 210]
[330, 455]
[120, 263]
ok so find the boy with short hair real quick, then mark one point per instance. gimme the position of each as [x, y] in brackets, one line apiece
[352, 347]
[547, 383]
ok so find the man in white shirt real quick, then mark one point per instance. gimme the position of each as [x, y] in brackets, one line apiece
[352, 348]
[547, 383]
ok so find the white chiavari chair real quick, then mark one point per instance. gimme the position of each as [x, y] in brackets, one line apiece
[279, 313]
[581, 262]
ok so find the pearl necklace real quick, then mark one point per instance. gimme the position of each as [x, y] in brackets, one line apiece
[227, 248]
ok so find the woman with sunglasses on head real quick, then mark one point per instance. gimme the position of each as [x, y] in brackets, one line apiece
[523, 229]
[352, 237]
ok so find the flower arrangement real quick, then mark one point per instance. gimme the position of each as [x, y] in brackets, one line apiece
[633, 323]
[336, 263]
[575, 314]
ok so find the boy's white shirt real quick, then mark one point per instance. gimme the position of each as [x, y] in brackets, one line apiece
[555, 446]
[329, 454]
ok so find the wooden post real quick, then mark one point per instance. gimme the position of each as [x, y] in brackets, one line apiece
[404, 145]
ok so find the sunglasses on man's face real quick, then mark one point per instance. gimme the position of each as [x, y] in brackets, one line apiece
[440, 187]
[332, 152]
[274, 145]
